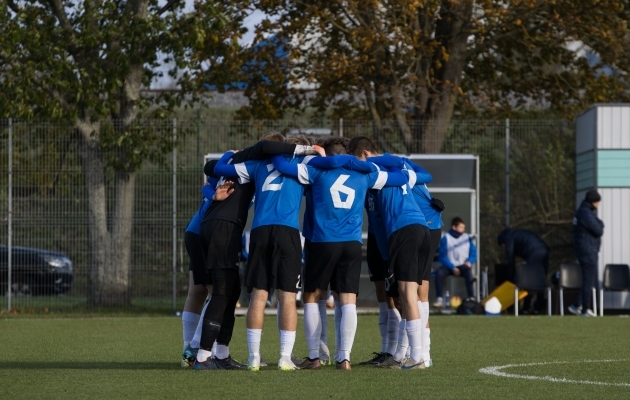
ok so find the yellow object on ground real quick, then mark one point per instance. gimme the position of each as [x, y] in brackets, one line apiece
[505, 294]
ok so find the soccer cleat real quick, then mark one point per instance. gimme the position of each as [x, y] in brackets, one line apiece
[575, 310]
[378, 357]
[209, 364]
[438, 303]
[294, 359]
[253, 364]
[390, 363]
[262, 362]
[428, 363]
[588, 313]
[287, 365]
[344, 365]
[310, 364]
[228, 363]
[188, 357]
[409, 363]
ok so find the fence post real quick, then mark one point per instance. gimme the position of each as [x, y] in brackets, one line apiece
[10, 216]
[174, 214]
[507, 172]
[340, 127]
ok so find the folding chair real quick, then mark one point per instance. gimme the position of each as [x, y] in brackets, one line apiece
[531, 278]
[616, 279]
[570, 278]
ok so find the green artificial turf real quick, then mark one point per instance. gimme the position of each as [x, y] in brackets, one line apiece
[138, 357]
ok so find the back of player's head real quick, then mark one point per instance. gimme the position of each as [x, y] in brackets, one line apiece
[322, 140]
[298, 139]
[360, 144]
[457, 221]
[334, 145]
[272, 136]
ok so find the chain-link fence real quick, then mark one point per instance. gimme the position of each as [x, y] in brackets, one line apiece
[48, 204]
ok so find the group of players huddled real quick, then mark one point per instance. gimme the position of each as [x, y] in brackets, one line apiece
[338, 178]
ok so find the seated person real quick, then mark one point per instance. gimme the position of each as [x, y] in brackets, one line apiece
[457, 254]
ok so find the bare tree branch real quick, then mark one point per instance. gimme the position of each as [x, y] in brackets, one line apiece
[13, 6]
[167, 6]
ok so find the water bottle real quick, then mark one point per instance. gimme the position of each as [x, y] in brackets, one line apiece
[447, 300]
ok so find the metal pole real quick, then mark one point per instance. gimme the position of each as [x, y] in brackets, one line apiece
[507, 172]
[174, 215]
[340, 127]
[10, 216]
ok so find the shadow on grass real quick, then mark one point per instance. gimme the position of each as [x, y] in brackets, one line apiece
[89, 365]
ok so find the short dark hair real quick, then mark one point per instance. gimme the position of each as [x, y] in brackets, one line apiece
[334, 145]
[359, 144]
[456, 221]
[298, 139]
[272, 136]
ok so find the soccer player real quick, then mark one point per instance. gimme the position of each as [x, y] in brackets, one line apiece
[409, 245]
[335, 249]
[199, 278]
[221, 231]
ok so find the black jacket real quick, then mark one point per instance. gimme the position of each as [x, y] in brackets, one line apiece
[587, 231]
[522, 243]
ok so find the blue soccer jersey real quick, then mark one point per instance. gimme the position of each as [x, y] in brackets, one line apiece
[376, 226]
[207, 193]
[338, 196]
[278, 197]
[398, 206]
[423, 198]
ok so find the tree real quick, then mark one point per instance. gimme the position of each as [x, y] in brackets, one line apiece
[415, 62]
[87, 63]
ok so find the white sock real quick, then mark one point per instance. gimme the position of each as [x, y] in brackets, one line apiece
[203, 355]
[337, 327]
[424, 317]
[348, 328]
[195, 342]
[287, 340]
[324, 317]
[426, 334]
[414, 333]
[253, 343]
[403, 342]
[393, 321]
[312, 329]
[382, 325]
[221, 351]
[190, 321]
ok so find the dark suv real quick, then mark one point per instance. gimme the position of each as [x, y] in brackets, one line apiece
[35, 271]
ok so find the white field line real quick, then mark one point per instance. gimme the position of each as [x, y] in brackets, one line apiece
[496, 371]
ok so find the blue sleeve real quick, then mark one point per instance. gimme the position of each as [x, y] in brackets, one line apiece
[422, 175]
[223, 168]
[330, 162]
[244, 253]
[208, 191]
[387, 161]
[281, 164]
[442, 254]
[396, 179]
[472, 255]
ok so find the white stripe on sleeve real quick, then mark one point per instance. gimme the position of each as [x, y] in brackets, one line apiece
[412, 178]
[303, 174]
[380, 181]
[243, 175]
[307, 159]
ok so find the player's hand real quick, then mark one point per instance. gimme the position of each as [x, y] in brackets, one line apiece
[456, 271]
[468, 264]
[320, 150]
[223, 191]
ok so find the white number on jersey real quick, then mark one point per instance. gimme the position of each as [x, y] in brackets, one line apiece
[337, 188]
[267, 185]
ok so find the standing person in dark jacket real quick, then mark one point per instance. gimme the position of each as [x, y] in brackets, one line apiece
[530, 247]
[587, 238]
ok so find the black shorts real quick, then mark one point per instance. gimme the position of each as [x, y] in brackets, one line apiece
[377, 267]
[436, 236]
[222, 243]
[337, 263]
[409, 248]
[197, 265]
[275, 258]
